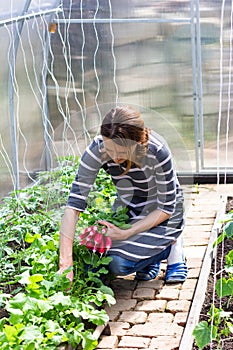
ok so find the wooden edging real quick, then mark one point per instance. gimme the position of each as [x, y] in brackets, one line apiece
[199, 294]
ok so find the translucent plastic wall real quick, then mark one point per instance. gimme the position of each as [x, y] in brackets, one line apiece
[62, 67]
[127, 53]
[23, 38]
[216, 126]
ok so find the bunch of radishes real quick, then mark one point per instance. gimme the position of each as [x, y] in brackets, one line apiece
[95, 238]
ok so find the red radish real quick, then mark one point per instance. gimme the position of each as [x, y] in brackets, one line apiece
[83, 242]
[91, 235]
[102, 247]
[87, 231]
[84, 235]
[90, 245]
[96, 247]
[98, 238]
[108, 242]
[104, 230]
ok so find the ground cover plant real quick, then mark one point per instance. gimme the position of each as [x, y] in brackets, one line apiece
[215, 327]
[38, 309]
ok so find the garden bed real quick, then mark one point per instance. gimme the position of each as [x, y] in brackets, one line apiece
[218, 318]
[38, 308]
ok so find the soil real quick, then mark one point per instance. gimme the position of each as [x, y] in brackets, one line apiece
[226, 302]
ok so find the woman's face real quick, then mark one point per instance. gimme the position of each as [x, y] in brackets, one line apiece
[119, 154]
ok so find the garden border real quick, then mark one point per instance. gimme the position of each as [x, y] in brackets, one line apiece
[199, 293]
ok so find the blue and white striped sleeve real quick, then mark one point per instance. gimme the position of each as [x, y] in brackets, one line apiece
[89, 167]
[165, 180]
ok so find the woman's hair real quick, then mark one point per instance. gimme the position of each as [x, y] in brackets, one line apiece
[125, 126]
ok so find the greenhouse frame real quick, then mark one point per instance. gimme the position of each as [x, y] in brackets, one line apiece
[65, 63]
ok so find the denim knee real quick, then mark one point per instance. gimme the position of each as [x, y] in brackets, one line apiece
[120, 266]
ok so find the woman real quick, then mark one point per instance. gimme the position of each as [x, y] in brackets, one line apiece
[142, 170]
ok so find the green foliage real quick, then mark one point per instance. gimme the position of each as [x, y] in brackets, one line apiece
[219, 324]
[203, 334]
[43, 311]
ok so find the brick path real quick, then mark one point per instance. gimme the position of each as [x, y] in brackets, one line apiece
[153, 315]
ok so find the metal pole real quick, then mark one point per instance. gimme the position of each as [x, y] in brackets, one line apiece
[45, 115]
[199, 80]
[122, 20]
[48, 160]
[28, 15]
[16, 33]
[12, 97]
[194, 74]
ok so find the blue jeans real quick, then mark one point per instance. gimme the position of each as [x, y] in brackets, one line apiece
[121, 267]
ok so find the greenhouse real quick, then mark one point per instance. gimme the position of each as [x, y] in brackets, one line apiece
[65, 65]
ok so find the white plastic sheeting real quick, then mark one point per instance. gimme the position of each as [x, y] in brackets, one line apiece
[55, 85]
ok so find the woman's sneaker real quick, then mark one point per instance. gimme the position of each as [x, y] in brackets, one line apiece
[148, 273]
[176, 273]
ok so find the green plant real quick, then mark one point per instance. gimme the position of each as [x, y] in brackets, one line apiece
[219, 325]
[42, 310]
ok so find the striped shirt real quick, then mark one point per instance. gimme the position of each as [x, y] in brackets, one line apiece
[152, 185]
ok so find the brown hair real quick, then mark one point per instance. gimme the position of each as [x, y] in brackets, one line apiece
[125, 126]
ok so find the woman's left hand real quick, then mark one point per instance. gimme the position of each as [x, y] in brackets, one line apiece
[114, 232]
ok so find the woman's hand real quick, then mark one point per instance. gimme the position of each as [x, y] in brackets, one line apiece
[151, 220]
[70, 274]
[114, 232]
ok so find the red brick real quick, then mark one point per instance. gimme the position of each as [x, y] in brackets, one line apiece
[155, 284]
[186, 294]
[119, 328]
[133, 317]
[154, 330]
[178, 306]
[151, 305]
[190, 283]
[165, 343]
[129, 349]
[122, 283]
[144, 293]
[123, 305]
[168, 294]
[108, 342]
[194, 261]
[181, 318]
[160, 317]
[194, 273]
[123, 294]
[194, 252]
[134, 342]
[112, 314]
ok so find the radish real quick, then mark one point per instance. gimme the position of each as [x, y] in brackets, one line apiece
[108, 242]
[95, 238]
